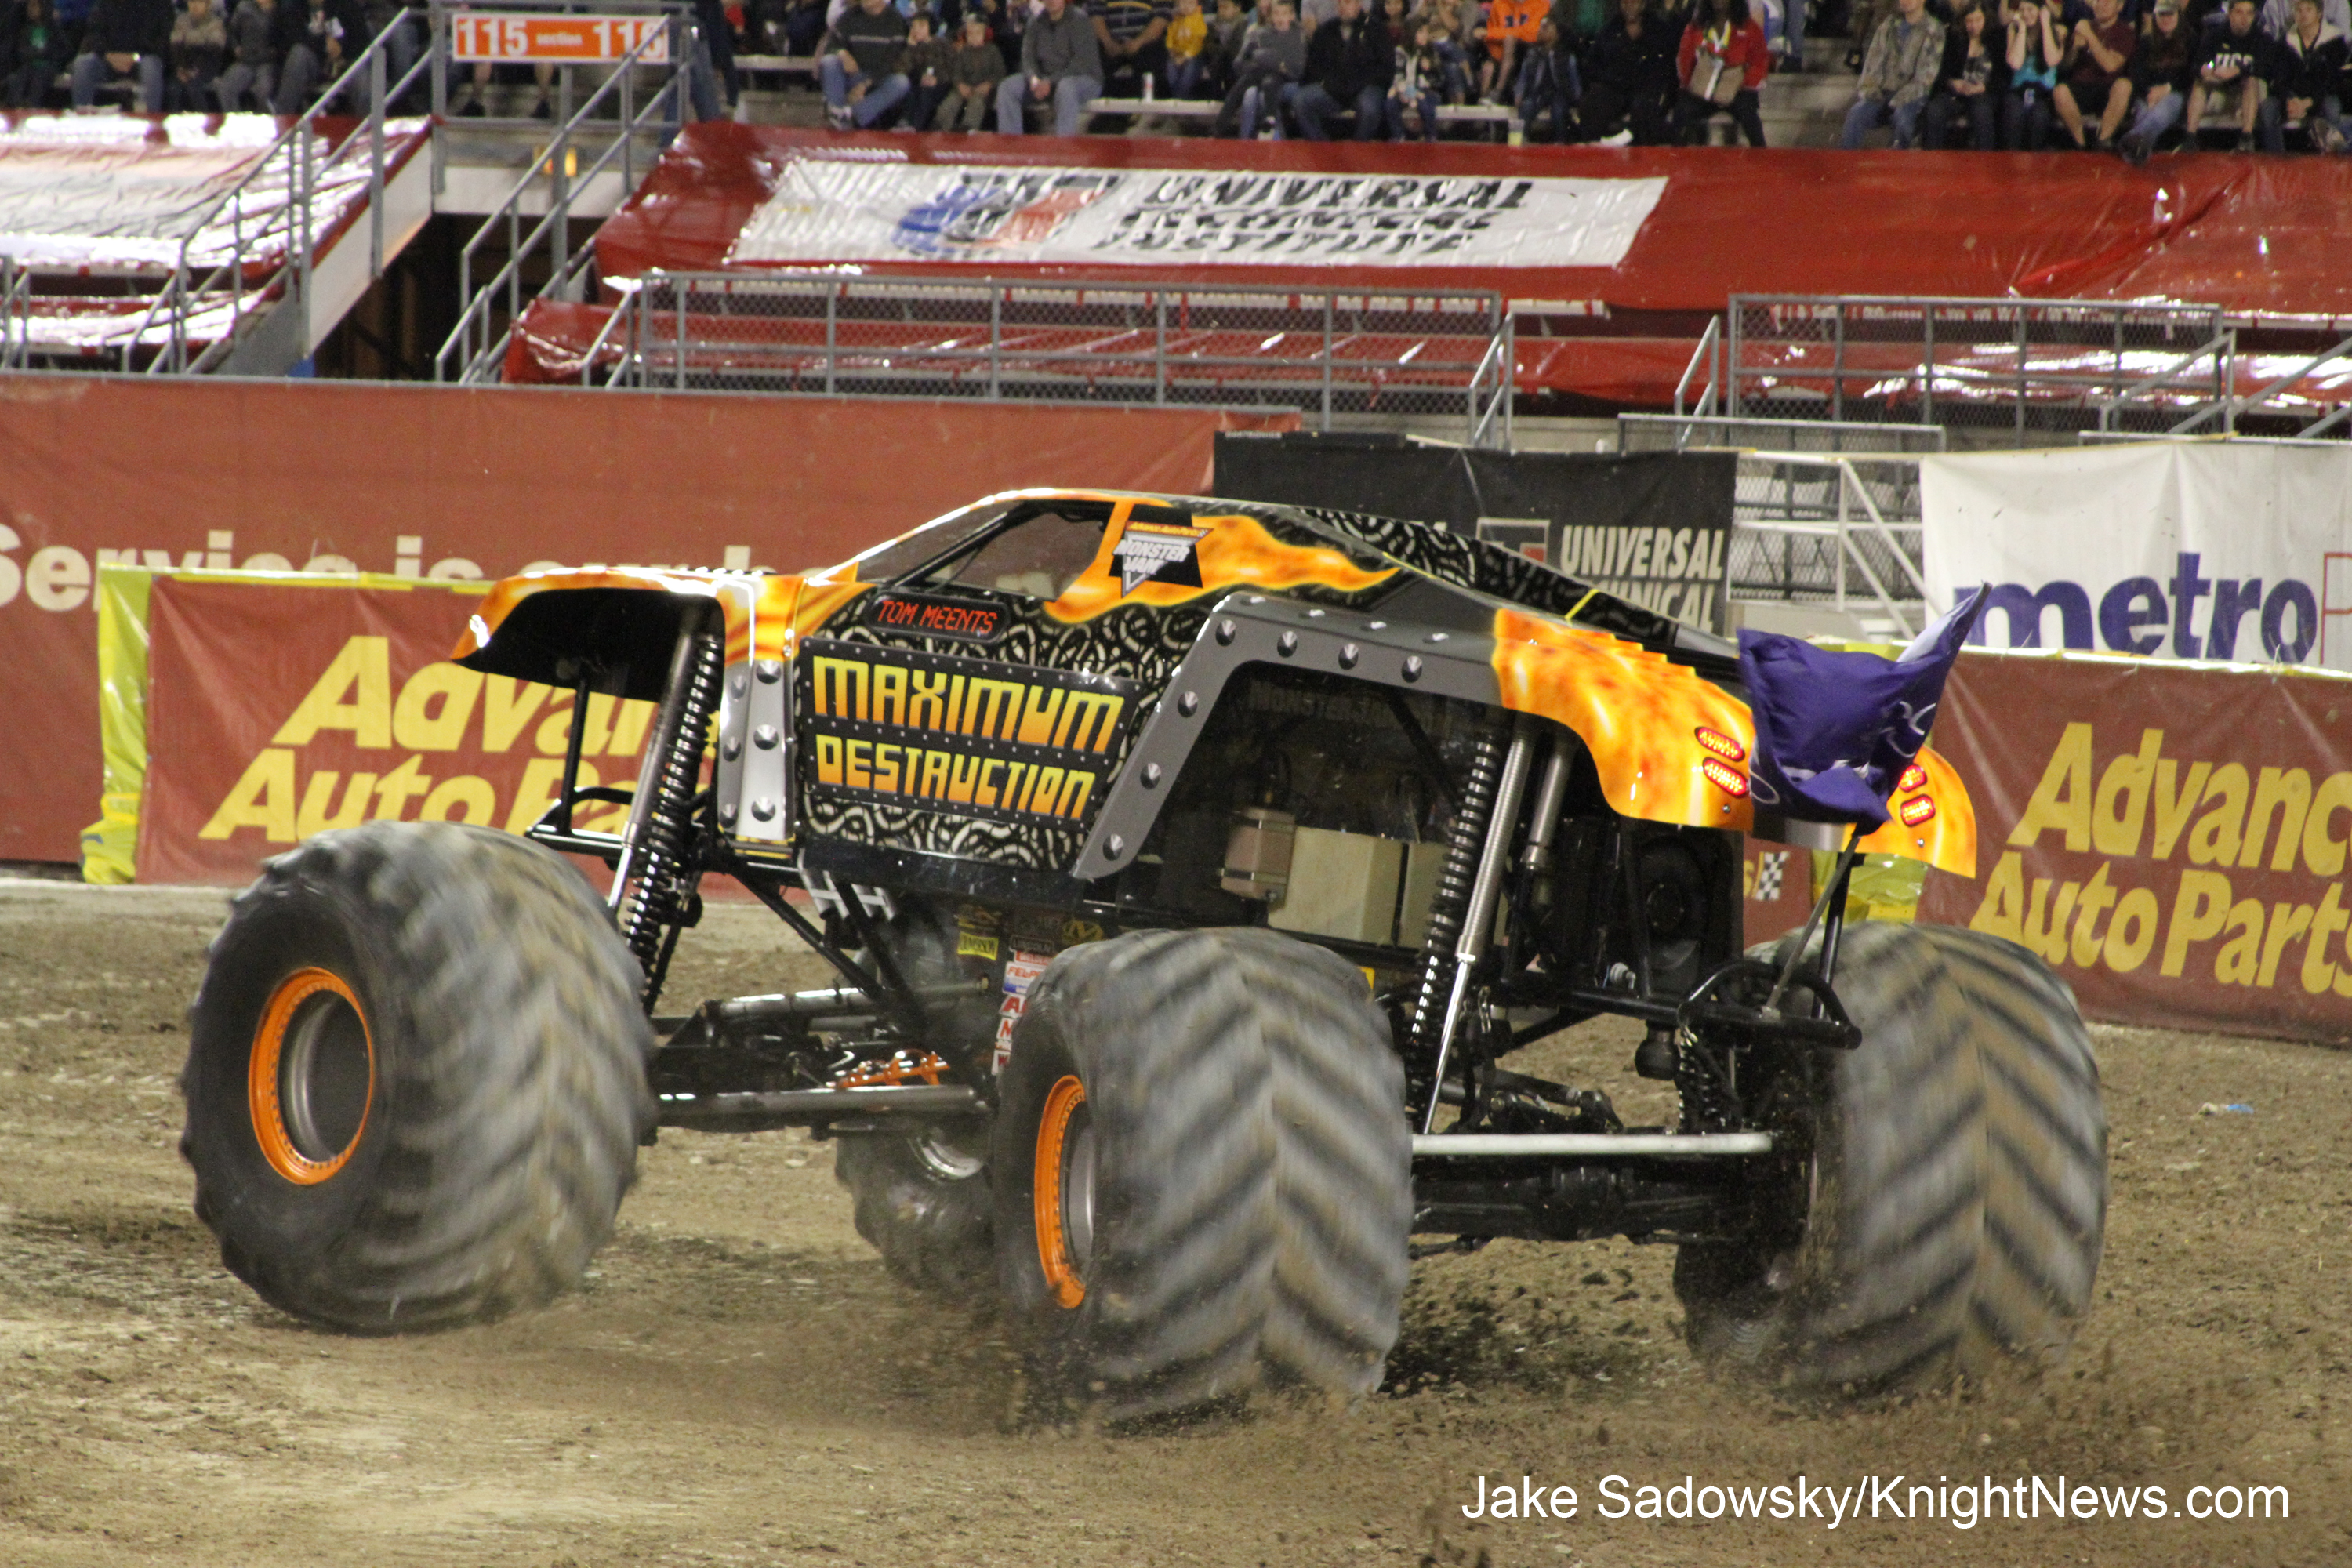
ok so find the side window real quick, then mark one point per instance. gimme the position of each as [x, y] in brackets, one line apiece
[1039, 556]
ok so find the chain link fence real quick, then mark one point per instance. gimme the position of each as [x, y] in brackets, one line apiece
[2029, 365]
[1430, 355]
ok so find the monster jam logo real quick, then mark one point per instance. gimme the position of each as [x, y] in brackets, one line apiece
[1158, 550]
[986, 211]
[968, 737]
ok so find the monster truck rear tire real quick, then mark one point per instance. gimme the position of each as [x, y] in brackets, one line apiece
[922, 1202]
[416, 1077]
[1203, 1172]
[1951, 1215]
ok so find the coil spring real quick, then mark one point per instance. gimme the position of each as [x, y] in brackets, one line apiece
[1707, 1105]
[653, 904]
[1466, 838]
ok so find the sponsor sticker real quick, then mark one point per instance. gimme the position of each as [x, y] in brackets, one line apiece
[1159, 552]
[1020, 971]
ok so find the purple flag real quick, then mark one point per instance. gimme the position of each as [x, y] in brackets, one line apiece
[1834, 731]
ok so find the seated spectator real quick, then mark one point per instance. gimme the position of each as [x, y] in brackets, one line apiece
[2096, 75]
[2311, 63]
[33, 48]
[2278, 16]
[1272, 58]
[1550, 82]
[1629, 87]
[2233, 72]
[1227, 28]
[199, 41]
[1898, 71]
[862, 67]
[1061, 64]
[800, 29]
[124, 38]
[1968, 85]
[2034, 50]
[974, 68]
[1412, 88]
[1350, 60]
[252, 59]
[1450, 30]
[1188, 46]
[926, 69]
[1723, 61]
[1131, 37]
[1511, 29]
[334, 34]
[2162, 69]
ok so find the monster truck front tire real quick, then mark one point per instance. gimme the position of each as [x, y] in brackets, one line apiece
[1949, 1214]
[415, 1079]
[1203, 1172]
[922, 1202]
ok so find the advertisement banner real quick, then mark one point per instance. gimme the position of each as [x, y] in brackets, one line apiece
[536, 37]
[442, 484]
[2171, 838]
[2172, 549]
[276, 710]
[824, 209]
[1649, 527]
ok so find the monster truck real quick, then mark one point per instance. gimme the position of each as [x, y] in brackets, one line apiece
[1190, 870]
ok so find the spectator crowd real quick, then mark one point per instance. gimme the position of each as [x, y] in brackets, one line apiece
[2133, 76]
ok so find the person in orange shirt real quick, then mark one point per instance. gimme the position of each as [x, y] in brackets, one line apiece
[1511, 28]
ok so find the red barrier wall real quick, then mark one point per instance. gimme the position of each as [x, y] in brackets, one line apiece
[2171, 838]
[432, 480]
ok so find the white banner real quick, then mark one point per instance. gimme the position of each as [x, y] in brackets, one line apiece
[826, 209]
[2236, 551]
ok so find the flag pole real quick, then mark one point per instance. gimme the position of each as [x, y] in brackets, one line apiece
[1832, 898]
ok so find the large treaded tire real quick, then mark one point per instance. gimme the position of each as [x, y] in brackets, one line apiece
[1957, 1188]
[1251, 1164]
[498, 1090]
[922, 1201]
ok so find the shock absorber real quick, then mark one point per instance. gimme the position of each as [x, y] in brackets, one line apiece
[1461, 915]
[651, 880]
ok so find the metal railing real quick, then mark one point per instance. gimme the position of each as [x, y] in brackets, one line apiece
[1686, 432]
[2031, 365]
[475, 349]
[1330, 353]
[1707, 356]
[1831, 541]
[16, 315]
[2262, 400]
[297, 148]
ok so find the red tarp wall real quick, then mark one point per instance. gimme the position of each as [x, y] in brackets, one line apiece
[420, 480]
[2254, 234]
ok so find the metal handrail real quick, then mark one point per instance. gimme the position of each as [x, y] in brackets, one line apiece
[296, 142]
[2263, 393]
[16, 315]
[474, 321]
[1850, 487]
[2221, 348]
[1709, 352]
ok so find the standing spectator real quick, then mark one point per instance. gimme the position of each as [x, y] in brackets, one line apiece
[2096, 67]
[1898, 71]
[2311, 61]
[1188, 49]
[1550, 82]
[199, 40]
[975, 69]
[1631, 86]
[1131, 37]
[2233, 74]
[2034, 50]
[926, 69]
[124, 38]
[1722, 62]
[2163, 69]
[1511, 28]
[862, 65]
[1350, 60]
[33, 49]
[1265, 77]
[1970, 85]
[1061, 63]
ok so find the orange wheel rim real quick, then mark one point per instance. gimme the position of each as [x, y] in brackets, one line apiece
[1062, 1278]
[304, 1142]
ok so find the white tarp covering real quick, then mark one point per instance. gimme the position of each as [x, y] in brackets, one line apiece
[117, 193]
[828, 210]
[2177, 550]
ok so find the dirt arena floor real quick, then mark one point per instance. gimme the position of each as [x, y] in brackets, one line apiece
[739, 1383]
